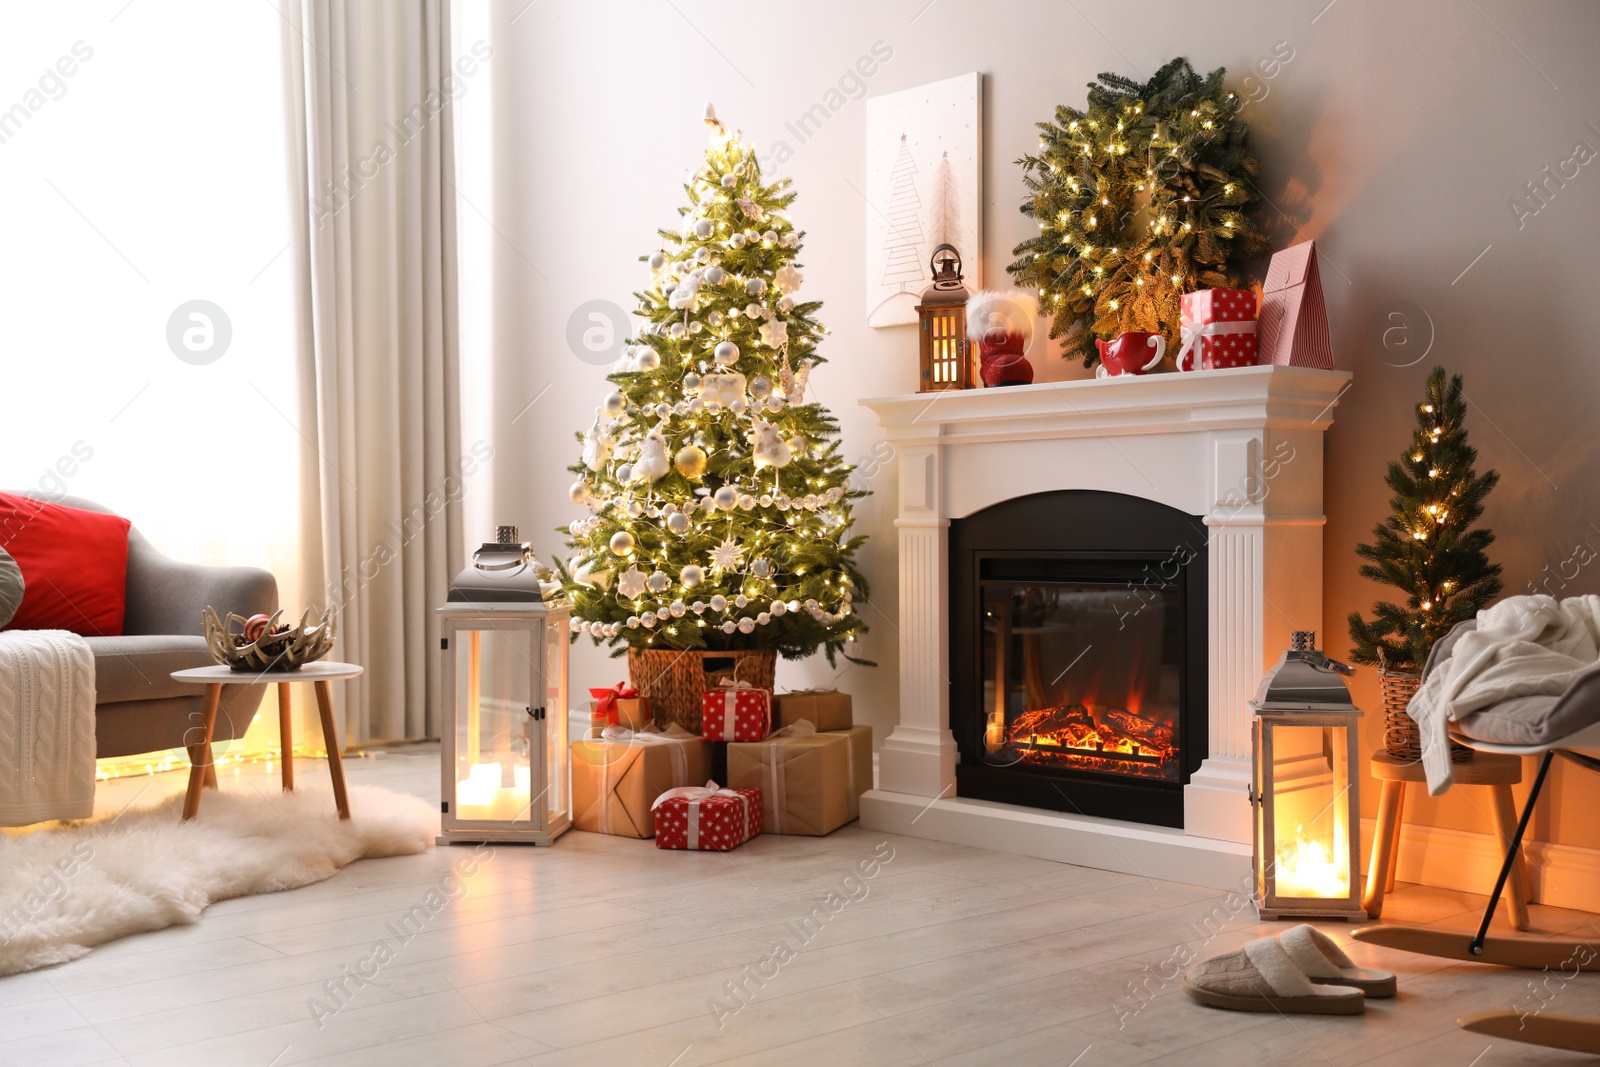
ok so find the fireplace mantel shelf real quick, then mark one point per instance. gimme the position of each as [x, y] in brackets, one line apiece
[1298, 397]
[1240, 448]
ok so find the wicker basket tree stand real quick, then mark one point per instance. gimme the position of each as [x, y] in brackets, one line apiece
[1401, 737]
[674, 682]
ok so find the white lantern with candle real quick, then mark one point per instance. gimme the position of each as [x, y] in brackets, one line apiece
[504, 734]
[1305, 793]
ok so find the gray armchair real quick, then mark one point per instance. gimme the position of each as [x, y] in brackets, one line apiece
[139, 708]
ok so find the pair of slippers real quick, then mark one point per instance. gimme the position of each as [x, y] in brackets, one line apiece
[1302, 970]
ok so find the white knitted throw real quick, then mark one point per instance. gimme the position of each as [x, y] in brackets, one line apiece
[46, 727]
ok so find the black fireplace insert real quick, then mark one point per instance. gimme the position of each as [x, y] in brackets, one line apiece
[1078, 654]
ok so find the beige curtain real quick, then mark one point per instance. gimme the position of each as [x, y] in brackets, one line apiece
[369, 84]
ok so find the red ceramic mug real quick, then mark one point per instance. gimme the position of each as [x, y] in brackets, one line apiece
[1135, 352]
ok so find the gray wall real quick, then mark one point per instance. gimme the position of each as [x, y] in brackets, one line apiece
[1395, 138]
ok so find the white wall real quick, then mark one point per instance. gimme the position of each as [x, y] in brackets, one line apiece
[1394, 137]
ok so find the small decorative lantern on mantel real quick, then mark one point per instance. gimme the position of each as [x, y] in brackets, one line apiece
[942, 325]
[504, 734]
[1305, 790]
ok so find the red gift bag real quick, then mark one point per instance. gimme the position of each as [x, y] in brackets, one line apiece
[738, 711]
[707, 818]
[1294, 318]
[1219, 329]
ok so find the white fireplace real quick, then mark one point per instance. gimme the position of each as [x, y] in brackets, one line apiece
[1242, 450]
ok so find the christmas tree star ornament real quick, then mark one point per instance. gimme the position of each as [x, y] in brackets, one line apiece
[725, 557]
[630, 583]
[775, 333]
[787, 278]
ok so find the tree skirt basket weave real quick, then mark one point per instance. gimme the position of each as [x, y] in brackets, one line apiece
[674, 682]
[1400, 735]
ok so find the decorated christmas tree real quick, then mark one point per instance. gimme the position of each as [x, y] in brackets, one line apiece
[1140, 198]
[719, 509]
[1427, 547]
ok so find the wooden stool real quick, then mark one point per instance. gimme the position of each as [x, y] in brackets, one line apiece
[1498, 772]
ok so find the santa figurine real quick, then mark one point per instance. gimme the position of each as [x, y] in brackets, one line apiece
[1001, 325]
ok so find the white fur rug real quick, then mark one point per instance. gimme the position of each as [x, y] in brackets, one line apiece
[65, 890]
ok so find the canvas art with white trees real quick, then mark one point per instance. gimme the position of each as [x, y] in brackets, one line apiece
[923, 190]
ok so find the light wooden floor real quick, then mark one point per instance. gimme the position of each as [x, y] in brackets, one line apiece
[604, 950]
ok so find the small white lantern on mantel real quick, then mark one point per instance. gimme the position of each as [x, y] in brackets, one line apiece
[504, 734]
[1305, 793]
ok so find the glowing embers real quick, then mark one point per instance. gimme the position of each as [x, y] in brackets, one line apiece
[1107, 739]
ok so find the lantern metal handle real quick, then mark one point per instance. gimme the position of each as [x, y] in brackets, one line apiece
[933, 270]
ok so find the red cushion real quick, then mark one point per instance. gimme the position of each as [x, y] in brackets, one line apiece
[74, 566]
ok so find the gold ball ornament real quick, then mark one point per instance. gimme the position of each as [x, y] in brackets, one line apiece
[690, 461]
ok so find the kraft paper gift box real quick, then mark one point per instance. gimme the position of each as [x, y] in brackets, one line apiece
[1293, 328]
[621, 705]
[860, 757]
[806, 783]
[736, 712]
[826, 709]
[615, 781]
[1218, 328]
[707, 818]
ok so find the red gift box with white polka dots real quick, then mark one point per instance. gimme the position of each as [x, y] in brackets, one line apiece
[743, 714]
[719, 822]
[1221, 323]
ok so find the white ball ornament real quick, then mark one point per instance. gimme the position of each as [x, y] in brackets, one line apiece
[648, 619]
[678, 523]
[677, 330]
[774, 403]
[657, 260]
[698, 607]
[635, 508]
[754, 310]
[747, 625]
[726, 353]
[579, 492]
[786, 303]
[784, 502]
[741, 601]
[703, 256]
[763, 619]
[761, 568]
[691, 382]
[615, 403]
[726, 498]
[755, 286]
[691, 576]
[719, 603]
[633, 622]
[696, 327]
[715, 276]
[657, 582]
[769, 235]
[738, 405]
[777, 608]
[761, 387]
[738, 240]
[729, 181]
[676, 609]
[746, 501]
[716, 318]
[729, 626]
[703, 228]
[648, 360]
[794, 605]
[765, 500]
[622, 542]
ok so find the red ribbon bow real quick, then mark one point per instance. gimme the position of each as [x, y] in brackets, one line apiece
[606, 701]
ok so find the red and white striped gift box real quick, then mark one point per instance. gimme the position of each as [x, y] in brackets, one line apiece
[707, 818]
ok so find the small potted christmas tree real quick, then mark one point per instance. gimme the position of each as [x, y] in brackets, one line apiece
[1428, 549]
[720, 507]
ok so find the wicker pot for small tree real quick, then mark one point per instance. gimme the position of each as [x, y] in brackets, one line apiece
[1401, 737]
[675, 681]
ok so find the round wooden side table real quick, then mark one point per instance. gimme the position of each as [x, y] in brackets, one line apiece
[1497, 771]
[203, 772]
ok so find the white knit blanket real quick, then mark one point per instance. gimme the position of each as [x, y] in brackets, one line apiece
[1523, 646]
[46, 727]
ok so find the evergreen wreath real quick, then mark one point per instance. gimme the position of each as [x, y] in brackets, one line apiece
[1139, 199]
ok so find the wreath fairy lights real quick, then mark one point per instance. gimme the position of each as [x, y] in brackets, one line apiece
[1140, 198]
